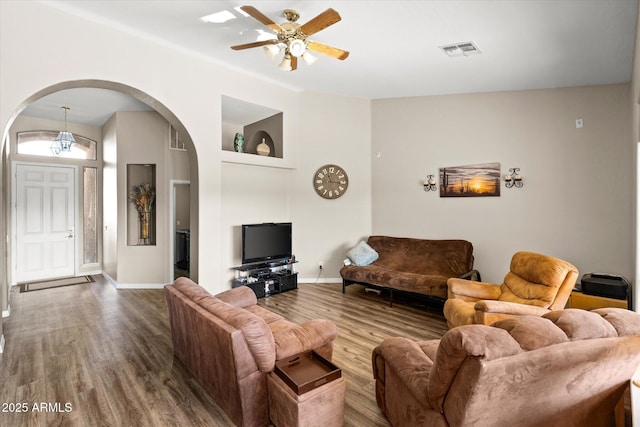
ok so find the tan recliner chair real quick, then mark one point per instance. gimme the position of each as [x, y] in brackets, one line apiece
[535, 285]
[567, 368]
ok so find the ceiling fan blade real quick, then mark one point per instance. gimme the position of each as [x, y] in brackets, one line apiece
[320, 22]
[294, 63]
[254, 44]
[328, 50]
[256, 14]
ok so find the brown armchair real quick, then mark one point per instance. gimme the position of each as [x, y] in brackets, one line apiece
[567, 368]
[535, 285]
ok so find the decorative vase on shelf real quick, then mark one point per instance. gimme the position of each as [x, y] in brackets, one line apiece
[263, 149]
[143, 197]
[238, 143]
[145, 237]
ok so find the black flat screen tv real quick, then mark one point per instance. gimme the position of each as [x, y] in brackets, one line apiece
[266, 242]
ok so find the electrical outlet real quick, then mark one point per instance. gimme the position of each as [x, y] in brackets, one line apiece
[320, 265]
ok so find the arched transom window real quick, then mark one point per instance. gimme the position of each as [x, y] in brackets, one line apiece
[38, 143]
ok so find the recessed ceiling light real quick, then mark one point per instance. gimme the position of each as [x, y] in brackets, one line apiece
[461, 49]
[219, 17]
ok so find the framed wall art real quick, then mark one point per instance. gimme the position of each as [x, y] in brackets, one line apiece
[479, 180]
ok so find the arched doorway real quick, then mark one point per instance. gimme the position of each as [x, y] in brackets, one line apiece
[112, 181]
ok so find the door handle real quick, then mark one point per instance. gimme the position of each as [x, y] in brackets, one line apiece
[70, 233]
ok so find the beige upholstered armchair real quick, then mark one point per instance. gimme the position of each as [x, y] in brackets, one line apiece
[535, 285]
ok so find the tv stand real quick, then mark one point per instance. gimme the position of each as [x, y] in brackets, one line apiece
[267, 278]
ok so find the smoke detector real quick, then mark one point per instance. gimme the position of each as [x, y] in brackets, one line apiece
[461, 49]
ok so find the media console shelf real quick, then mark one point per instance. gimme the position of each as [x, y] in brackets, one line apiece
[267, 278]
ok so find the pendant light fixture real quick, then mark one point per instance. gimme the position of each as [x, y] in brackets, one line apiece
[65, 139]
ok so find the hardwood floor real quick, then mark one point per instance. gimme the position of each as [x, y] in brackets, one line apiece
[363, 321]
[105, 353]
[88, 355]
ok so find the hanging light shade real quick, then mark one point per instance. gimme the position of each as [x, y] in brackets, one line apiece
[64, 140]
[271, 51]
[297, 47]
[285, 65]
[309, 58]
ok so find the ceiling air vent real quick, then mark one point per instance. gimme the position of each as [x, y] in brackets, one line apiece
[461, 49]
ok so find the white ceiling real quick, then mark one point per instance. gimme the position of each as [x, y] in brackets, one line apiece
[88, 106]
[394, 45]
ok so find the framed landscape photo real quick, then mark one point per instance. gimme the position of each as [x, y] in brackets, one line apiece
[479, 180]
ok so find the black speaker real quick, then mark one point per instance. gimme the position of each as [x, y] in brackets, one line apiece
[605, 285]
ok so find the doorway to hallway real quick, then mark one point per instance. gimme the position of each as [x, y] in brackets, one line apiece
[180, 228]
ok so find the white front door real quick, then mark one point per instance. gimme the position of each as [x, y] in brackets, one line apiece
[45, 221]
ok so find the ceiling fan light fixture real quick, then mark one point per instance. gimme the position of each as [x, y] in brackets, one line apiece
[308, 58]
[271, 51]
[285, 65]
[291, 37]
[297, 47]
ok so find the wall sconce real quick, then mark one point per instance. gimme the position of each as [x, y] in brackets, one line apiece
[513, 178]
[430, 183]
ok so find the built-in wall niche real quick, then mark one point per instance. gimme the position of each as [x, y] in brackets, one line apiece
[141, 206]
[260, 126]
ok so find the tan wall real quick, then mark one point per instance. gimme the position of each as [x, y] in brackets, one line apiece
[577, 199]
[334, 130]
[4, 265]
[143, 138]
[635, 140]
[183, 211]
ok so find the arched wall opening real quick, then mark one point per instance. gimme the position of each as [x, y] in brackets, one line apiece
[155, 105]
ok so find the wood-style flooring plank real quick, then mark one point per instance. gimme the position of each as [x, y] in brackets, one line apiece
[108, 353]
[364, 320]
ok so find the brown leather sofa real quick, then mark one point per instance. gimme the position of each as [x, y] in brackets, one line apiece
[417, 266]
[535, 284]
[565, 368]
[230, 344]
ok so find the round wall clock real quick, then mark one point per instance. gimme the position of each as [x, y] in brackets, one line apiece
[330, 181]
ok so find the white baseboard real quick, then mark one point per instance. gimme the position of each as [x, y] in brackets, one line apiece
[117, 285]
[110, 280]
[2, 343]
[90, 273]
[316, 280]
[140, 285]
[7, 312]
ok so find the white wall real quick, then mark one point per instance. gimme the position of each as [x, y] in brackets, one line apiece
[250, 194]
[331, 130]
[568, 207]
[577, 199]
[194, 97]
[110, 199]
